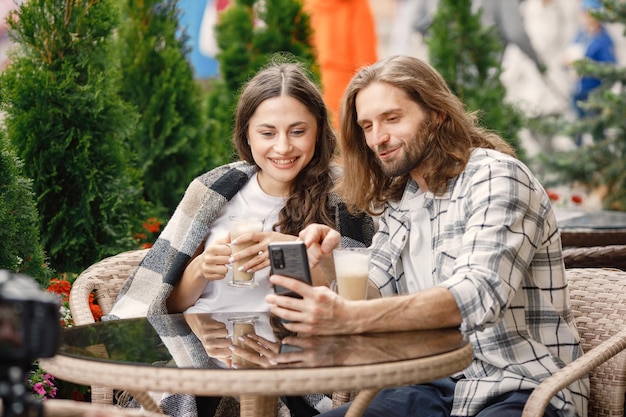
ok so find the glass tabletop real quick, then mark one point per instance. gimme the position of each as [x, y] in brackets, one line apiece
[597, 219]
[204, 340]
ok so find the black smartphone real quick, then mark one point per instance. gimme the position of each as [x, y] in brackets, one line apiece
[289, 259]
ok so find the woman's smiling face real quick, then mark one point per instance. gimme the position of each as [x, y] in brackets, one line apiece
[282, 133]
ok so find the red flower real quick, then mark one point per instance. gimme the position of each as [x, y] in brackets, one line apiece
[552, 195]
[152, 225]
[61, 287]
[577, 199]
[96, 311]
[151, 228]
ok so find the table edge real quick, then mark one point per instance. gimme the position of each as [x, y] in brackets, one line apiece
[289, 381]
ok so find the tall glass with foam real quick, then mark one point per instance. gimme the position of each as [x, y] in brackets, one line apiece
[352, 272]
[238, 226]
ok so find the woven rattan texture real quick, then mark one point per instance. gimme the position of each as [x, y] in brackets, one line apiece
[612, 256]
[599, 302]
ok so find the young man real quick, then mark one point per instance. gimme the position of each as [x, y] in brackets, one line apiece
[467, 238]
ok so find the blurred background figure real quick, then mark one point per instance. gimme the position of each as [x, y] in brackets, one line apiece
[591, 42]
[550, 25]
[207, 42]
[198, 18]
[529, 31]
[345, 39]
[503, 14]
[403, 38]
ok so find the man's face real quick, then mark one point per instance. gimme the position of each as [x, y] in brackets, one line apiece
[395, 127]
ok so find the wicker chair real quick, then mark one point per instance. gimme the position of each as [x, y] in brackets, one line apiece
[104, 279]
[612, 256]
[599, 303]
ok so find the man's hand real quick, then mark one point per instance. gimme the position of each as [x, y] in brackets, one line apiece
[319, 311]
[320, 240]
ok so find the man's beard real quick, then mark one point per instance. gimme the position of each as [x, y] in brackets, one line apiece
[412, 157]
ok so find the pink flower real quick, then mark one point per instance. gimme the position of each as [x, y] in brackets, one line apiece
[39, 388]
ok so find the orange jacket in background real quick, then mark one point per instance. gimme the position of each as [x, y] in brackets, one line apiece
[344, 38]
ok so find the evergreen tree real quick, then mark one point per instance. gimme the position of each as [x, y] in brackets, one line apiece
[20, 247]
[159, 81]
[468, 57]
[249, 34]
[69, 126]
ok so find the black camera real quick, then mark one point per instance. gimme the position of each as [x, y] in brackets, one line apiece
[29, 329]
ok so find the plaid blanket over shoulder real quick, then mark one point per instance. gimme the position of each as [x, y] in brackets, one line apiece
[145, 292]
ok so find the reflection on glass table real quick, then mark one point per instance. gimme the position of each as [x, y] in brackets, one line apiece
[192, 354]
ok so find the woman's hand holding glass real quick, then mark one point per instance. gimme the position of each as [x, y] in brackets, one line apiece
[258, 250]
[214, 259]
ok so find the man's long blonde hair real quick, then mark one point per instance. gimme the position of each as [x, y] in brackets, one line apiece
[455, 132]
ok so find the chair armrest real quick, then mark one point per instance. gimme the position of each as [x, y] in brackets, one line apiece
[547, 389]
[79, 302]
[610, 256]
[104, 279]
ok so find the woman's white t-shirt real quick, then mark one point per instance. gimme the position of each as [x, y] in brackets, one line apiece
[218, 296]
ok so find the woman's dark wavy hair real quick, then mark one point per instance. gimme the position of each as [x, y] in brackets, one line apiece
[455, 132]
[309, 192]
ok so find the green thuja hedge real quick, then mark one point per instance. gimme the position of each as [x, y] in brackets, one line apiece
[20, 248]
[159, 81]
[68, 124]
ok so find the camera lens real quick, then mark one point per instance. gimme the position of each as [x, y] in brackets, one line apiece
[278, 258]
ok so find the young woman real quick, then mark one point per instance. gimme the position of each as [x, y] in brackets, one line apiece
[283, 137]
